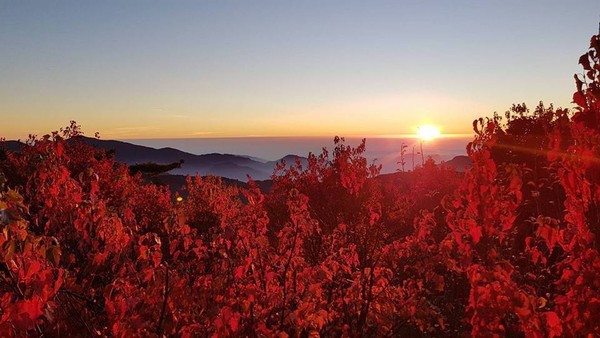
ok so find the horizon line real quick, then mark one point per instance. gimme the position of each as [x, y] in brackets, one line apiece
[388, 136]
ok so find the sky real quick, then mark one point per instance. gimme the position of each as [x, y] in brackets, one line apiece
[186, 69]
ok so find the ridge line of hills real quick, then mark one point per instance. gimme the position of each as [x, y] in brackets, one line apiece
[229, 166]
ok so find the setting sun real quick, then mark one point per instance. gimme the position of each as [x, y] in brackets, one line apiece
[428, 132]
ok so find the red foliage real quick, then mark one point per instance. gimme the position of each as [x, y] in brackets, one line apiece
[335, 249]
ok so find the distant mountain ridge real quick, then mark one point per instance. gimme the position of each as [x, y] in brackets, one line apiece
[461, 163]
[236, 167]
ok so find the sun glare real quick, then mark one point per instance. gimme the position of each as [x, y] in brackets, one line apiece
[428, 132]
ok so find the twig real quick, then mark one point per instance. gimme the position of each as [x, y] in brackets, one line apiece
[159, 329]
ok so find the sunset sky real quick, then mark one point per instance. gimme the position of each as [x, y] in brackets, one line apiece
[162, 69]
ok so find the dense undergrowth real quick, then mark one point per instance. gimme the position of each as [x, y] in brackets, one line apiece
[508, 248]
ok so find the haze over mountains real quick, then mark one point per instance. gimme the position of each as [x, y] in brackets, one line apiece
[237, 167]
[226, 165]
[384, 150]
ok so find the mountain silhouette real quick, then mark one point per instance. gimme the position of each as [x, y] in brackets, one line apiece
[461, 163]
[236, 167]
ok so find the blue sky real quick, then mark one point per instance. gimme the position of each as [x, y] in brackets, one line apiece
[144, 69]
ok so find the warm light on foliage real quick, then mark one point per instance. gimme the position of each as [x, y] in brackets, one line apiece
[509, 248]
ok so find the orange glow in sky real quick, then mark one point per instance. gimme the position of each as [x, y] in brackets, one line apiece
[212, 69]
